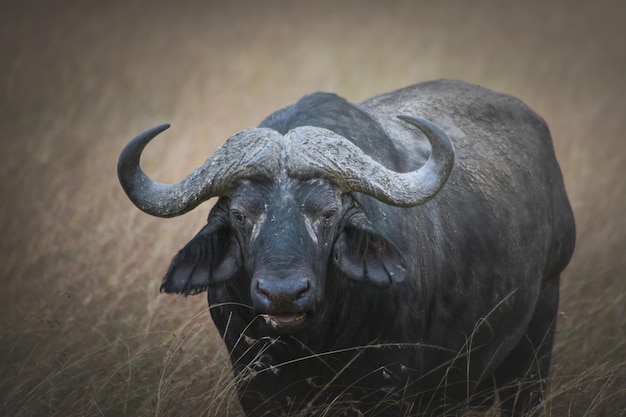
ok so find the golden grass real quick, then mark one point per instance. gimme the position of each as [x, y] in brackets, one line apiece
[83, 329]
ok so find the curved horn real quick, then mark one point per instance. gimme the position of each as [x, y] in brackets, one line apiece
[248, 153]
[322, 152]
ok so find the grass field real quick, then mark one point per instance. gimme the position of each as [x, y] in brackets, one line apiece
[83, 328]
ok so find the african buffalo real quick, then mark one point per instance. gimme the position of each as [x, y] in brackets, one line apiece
[358, 262]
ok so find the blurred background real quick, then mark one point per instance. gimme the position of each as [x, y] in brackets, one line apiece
[83, 328]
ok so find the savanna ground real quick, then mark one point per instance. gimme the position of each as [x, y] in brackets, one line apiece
[83, 328]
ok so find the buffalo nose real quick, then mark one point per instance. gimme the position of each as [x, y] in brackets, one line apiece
[282, 295]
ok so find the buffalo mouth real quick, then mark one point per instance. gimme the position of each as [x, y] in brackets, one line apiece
[284, 321]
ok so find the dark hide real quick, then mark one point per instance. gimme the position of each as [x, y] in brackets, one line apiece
[406, 311]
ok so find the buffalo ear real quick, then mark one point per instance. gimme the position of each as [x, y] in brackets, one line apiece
[203, 261]
[363, 254]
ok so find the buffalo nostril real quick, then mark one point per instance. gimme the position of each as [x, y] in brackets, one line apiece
[304, 290]
[261, 292]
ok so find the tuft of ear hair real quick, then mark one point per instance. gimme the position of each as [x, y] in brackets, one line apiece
[205, 260]
[364, 254]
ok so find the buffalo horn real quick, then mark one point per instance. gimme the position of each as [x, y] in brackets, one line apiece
[319, 152]
[252, 152]
[307, 151]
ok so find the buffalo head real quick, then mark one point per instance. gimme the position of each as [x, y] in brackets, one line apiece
[286, 213]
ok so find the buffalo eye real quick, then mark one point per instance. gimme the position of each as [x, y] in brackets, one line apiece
[239, 217]
[328, 215]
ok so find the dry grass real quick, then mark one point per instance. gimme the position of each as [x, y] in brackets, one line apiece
[83, 330]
